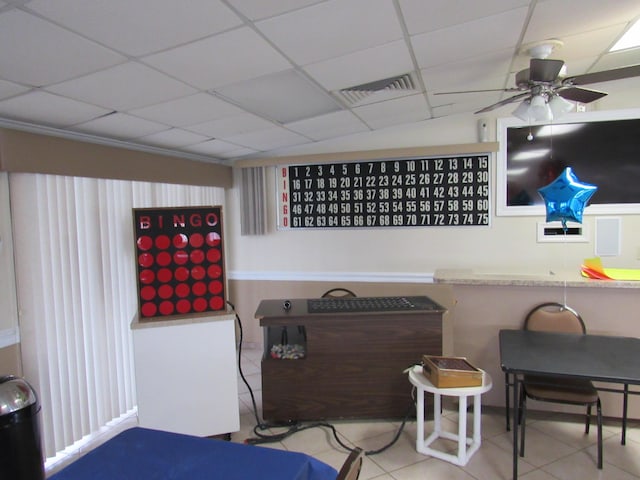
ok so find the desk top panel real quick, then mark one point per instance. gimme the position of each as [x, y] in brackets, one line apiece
[347, 305]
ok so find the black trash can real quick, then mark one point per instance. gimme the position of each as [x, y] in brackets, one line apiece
[20, 447]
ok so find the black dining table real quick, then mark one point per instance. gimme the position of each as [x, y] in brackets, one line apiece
[599, 358]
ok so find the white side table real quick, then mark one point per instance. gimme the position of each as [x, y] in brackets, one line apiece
[466, 446]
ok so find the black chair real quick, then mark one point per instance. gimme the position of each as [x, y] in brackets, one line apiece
[338, 293]
[555, 317]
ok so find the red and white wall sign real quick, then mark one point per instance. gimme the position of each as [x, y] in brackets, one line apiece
[180, 260]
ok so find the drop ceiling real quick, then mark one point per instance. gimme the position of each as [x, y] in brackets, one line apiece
[227, 79]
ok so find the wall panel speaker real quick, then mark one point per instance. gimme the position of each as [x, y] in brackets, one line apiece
[607, 242]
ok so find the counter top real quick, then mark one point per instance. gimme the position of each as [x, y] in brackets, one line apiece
[524, 278]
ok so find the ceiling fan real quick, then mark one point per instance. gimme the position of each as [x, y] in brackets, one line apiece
[546, 79]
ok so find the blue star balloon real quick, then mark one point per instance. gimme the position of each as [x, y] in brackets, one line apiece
[566, 197]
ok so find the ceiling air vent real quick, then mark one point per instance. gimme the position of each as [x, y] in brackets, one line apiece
[388, 88]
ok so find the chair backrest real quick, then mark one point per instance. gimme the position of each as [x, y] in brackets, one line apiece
[338, 293]
[352, 465]
[554, 317]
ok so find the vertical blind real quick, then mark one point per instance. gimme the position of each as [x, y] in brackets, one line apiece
[253, 210]
[76, 290]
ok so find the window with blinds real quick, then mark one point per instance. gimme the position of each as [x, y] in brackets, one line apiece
[76, 290]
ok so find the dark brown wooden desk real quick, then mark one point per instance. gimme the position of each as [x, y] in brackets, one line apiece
[601, 358]
[354, 361]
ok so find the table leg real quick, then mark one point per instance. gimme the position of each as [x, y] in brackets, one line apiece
[420, 420]
[516, 412]
[477, 419]
[506, 399]
[437, 413]
[625, 398]
[462, 429]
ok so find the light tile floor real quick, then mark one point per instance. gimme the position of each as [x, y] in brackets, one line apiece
[556, 446]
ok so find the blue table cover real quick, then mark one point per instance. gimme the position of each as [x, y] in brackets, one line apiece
[145, 454]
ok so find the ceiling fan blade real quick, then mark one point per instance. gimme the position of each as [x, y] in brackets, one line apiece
[544, 70]
[604, 76]
[479, 91]
[582, 95]
[506, 101]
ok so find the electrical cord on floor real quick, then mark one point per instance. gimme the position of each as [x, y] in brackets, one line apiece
[294, 427]
[244, 379]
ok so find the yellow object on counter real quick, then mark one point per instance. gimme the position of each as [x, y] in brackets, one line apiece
[593, 268]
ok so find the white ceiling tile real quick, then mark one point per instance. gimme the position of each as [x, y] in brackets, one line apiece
[9, 89]
[470, 39]
[88, 48]
[142, 26]
[232, 125]
[259, 10]
[119, 125]
[272, 138]
[189, 110]
[221, 60]
[239, 152]
[331, 125]
[333, 28]
[393, 112]
[483, 72]
[173, 138]
[36, 52]
[47, 109]
[220, 149]
[421, 16]
[211, 147]
[283, 96]
[123, 87]
[364, 66]
[577, 47]
[465, 102]
[560, 18]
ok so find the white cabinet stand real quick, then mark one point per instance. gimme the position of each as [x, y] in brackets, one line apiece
[186, 374]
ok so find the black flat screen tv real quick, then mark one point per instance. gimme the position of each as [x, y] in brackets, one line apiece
[602, 149]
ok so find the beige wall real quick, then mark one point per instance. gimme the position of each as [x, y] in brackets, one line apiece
[10, 362]
[481, 311]
[35, 153]
[509, 241]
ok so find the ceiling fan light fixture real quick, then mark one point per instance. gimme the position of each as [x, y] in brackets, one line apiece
[537, 109]
[540, 110]
[560, 106]
[523, 111]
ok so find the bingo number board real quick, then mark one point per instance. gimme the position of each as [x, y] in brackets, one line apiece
[180, 261]
[416, 192]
